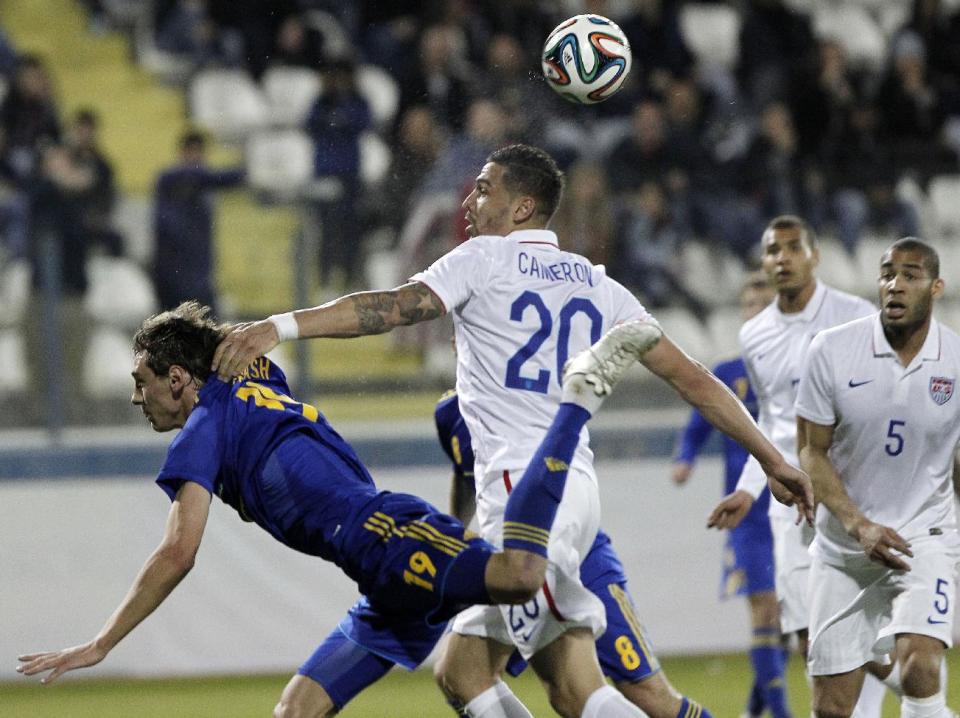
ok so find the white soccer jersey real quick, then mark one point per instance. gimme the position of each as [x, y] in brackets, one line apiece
[773, 345]
[521, 307]
[896, 429]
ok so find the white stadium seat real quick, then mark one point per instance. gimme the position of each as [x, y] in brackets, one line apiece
[280, 162]
[15, 280]
[944, 197]
[853, 27]
[837, 268]
[687, 332]
[290, 93]
[13, 359]
[120, 294]
[227, 102]
[106, 364]
[374, 158]
[712, 32]
[380, 91]
[725, 323]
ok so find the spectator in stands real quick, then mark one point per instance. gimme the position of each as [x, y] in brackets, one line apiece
[14, 209]
[911, 111]
[297, 45]
[644, 154]
[650, 253]
[939, 29]
[29, 118]
[506, 79]
[771, 175]
[774, 41]
[8, 56]
[659, 50]
[420, 141]
[183, 224]
[335, 122]
[585, 219]
[188, 30]
[437, 78]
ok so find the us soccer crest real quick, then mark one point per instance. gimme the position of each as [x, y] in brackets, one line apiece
[941, 389]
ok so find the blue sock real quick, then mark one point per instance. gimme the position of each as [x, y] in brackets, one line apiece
[692, 709]
[533, 503]
[756, 703]
[766, 655]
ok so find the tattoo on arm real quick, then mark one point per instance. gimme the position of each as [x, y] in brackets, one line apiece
[379, 312]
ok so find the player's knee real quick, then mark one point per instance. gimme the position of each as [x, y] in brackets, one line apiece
[920, 673]
[564, 700]
[833, 706]
[287, 708]
[457, 681]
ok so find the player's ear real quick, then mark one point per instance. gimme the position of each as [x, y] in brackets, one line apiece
[936, 291]
[179, 378]
[524, 210]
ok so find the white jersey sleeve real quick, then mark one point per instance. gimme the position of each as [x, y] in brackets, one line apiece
[752, 479]
[460, 273]
[815, 393]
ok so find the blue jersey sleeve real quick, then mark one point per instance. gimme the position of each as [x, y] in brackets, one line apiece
[196, 454]
[693, 437]
[454, 435]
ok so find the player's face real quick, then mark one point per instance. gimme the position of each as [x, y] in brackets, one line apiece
[153, 394]
[788, 259]
[754, 300]
[489, 207]
[907, 290]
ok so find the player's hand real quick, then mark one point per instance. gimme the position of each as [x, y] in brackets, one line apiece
[680, 472]
[244, 343]
[730, 511]
[59, 662]
[792, 487]
[879, 542]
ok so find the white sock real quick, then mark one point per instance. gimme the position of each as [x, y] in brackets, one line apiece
[870, 702]
[496, 702]
[943, 678]
[893, 681]
[933, 707]
[608, 702]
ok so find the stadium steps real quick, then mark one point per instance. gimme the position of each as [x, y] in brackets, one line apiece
[141, 121]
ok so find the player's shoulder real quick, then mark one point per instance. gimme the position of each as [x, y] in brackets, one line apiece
[760, 324]
[841, 338]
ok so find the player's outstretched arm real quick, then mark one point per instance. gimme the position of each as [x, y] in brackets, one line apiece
[878, 541]
[353, 315]
[731, 510]
[165, 568]
[721, 408]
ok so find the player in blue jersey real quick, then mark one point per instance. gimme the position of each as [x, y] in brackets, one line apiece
[281, 465]
[748, 556]
[625, 654]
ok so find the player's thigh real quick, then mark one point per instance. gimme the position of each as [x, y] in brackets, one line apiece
[470, 664]
[568, 668]
[792, 566]
[334, 674]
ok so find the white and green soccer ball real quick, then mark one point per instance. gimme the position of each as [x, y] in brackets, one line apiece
[586, 59]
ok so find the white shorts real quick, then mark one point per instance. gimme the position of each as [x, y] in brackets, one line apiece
[564, 603]
[791, 561]
[856, 611]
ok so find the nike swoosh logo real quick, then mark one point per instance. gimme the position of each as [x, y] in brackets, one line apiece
[854, 384]
[931, 621]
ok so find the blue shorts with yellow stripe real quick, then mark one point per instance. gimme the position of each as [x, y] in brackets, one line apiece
[748, 559]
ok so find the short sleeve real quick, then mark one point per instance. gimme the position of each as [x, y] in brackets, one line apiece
[752, 479]
[815, 397]
[458, 274]
[195, 454]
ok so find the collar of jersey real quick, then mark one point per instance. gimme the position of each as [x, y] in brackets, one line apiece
[535, 236]
[809, 311]
[930, 351]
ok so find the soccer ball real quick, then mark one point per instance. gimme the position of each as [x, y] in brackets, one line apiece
[586, 59]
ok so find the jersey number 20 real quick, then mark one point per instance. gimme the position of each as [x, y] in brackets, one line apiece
[541, 382]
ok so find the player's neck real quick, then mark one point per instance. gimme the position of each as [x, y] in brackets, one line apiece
[907, 341]
[792, 301]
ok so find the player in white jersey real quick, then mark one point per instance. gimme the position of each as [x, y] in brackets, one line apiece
[521, 308]
[879, 428]
[773, 344]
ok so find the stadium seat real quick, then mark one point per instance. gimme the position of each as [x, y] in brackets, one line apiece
[280, 162]
[711, 32]
[227, 102]
[374, 158]
[687, 332]
[106, 364]
[867, 263]
[113, 277]
[290, 93]
[14, 291]
[336, 41]
[724, 327]
[837, 268]
[133, 218]
[944, 196]
[853, 27]
[13, 359]
[381, 92]
[712, 274]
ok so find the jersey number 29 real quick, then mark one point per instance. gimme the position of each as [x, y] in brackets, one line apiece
[541, 382]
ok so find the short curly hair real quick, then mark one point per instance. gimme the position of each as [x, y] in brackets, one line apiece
[185, 336]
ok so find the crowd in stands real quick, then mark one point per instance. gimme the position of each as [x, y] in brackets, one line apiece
[685, 151]
[691, 150]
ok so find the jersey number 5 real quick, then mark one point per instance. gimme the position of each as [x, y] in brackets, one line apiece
[541, 382]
